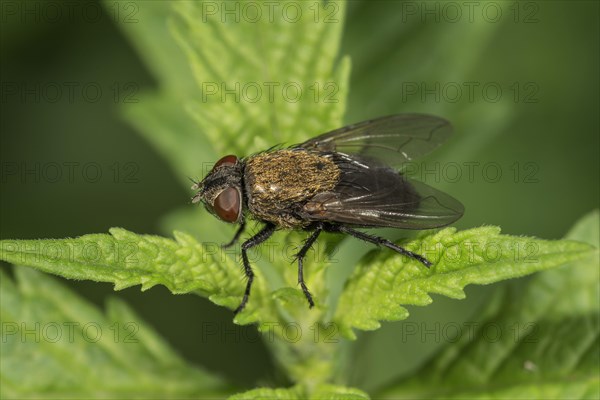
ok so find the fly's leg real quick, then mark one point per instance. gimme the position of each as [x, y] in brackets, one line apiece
[300, 256]
[380, 241]
[235, 237]
[255, 240]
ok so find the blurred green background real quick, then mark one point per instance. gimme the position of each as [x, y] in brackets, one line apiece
[543, 55]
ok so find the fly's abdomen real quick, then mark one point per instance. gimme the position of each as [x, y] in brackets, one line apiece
[280, 182]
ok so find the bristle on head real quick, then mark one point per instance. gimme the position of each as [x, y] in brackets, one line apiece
[196, 183]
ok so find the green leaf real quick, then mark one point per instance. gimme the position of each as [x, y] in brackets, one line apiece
[406, 80]
[321, 392]
[124, 258]
[389, 63]
[160, 116]
[56, 345]
[192, 121]
[273, 97]
[250, 55]
[293, 62]
[575, 289]
[541, 341]
[385, 281]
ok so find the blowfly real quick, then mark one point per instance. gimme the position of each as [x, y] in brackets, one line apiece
[336, 182]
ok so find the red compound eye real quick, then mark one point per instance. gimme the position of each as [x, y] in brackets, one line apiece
[227, 160]
[228, 205]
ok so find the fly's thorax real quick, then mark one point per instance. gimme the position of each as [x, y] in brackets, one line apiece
[278, 183]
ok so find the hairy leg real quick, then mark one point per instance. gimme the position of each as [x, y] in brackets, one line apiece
[255, 240]
[378, 241]
[300, 256]
[236, 236]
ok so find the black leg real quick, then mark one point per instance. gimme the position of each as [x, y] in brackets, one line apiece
[301, 254]
[236, 236]
[380, 241]
[255, 240]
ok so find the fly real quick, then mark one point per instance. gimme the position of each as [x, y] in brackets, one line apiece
[336, 182]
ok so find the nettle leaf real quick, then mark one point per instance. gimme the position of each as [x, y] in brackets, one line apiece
[160, 115]
[56, 345]
[248, 84]
[321, 392]
[250, 81]
[264, 79]
[126, 259]
[538, 341]
[384, 281]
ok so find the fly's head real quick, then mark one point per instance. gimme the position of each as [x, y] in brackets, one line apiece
[221, 190]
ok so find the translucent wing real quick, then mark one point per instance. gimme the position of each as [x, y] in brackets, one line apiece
[391, 140]
[372, 195]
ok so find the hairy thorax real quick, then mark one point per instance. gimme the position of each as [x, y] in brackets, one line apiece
[280, 182]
